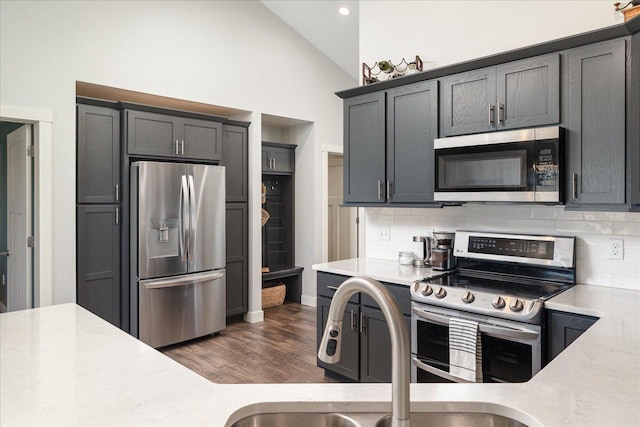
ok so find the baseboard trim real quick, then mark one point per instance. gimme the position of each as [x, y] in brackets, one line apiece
[254, 316]
[310, 301]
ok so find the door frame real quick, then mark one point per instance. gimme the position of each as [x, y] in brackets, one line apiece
[326, 150]
[42, 121]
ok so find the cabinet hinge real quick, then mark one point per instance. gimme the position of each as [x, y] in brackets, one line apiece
[30, 242]
[31, 151]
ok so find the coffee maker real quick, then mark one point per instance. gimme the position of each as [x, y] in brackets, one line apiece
[442, 255]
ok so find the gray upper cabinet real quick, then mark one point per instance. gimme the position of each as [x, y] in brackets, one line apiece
[278, 158]
[152, 134]
[412, 125]
[518, 94]
[596, 124]
[364, 148]
[529, 92]
[388, 145]
[98, 261]
[98, 154]
[468, 102]
[235, 158]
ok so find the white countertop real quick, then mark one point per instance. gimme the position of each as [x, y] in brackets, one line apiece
[61, 365]
[378, 269]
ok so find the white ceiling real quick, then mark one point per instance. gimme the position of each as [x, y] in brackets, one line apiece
[320, 23]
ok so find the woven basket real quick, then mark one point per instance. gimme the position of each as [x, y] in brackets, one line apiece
[273, 296]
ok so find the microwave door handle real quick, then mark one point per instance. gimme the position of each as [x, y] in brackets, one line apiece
[437, 372]
[192, 218]
[183, 216]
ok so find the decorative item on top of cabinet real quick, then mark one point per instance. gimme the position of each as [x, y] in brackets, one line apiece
[629, 12]
[390, 70]
[595, 126]
[517, 94]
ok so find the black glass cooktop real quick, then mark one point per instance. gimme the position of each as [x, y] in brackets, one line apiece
[520, 287]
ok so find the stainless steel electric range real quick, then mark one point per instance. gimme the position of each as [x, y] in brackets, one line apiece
[501, 282]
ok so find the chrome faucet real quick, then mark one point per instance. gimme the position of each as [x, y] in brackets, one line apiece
[329, 349]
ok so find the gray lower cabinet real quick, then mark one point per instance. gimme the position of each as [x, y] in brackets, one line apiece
[517, 94]
[364, 148]
[563, 329]
[235, 158]
[278, 158]
[349, 364]
[595, 125]
[366, 343]
[98, 260]
[388, 145]
[153, 134]
[237, 248]
[98, 154]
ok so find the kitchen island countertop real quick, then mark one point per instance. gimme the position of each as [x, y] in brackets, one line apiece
[61, 365]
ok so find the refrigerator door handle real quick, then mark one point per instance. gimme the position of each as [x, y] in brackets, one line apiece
[182, 280]
[184, 216]
[192, 218]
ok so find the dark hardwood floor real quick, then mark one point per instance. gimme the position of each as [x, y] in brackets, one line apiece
[282, 349]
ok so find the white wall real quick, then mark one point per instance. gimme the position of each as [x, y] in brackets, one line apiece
[443, 33]
[447, 32]
[230, 53]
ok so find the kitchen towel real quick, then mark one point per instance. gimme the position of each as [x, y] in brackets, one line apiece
[465, 350]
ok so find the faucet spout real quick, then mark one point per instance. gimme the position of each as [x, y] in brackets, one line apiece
[330, 345]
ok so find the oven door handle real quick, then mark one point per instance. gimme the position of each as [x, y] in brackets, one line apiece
[498, 331]
[438, 372]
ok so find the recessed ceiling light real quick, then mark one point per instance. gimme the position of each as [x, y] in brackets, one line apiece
[344, 11]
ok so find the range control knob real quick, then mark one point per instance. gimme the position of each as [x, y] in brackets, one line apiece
[442, 292]
[516, 305]
[468, 297]
[428, 290]
[497, 302]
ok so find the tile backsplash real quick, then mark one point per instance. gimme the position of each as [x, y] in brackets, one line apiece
[592, 229]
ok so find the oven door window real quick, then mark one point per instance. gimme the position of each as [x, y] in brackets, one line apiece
[498, 167]
[505, 361]
[502, 360]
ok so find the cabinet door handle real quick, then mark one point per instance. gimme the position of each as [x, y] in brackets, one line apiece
[117, 189]
[363, 327]
[491, 109]
[388, 189]
[353, 320]
[175, 149]
[501, 114]
[117, 216]
[182, 147]
[274, 162]
[574, 185]
[333, 288]
[379, 192]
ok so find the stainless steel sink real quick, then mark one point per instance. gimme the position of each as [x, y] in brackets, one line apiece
[455, 419]
[418, 419]
[297, 419]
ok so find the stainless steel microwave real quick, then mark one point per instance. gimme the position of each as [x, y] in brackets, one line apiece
[524, 165]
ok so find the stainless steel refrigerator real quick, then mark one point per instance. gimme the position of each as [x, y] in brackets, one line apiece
[177, 251]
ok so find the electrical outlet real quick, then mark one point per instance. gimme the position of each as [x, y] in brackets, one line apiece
[383, 233]
[616, 249]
